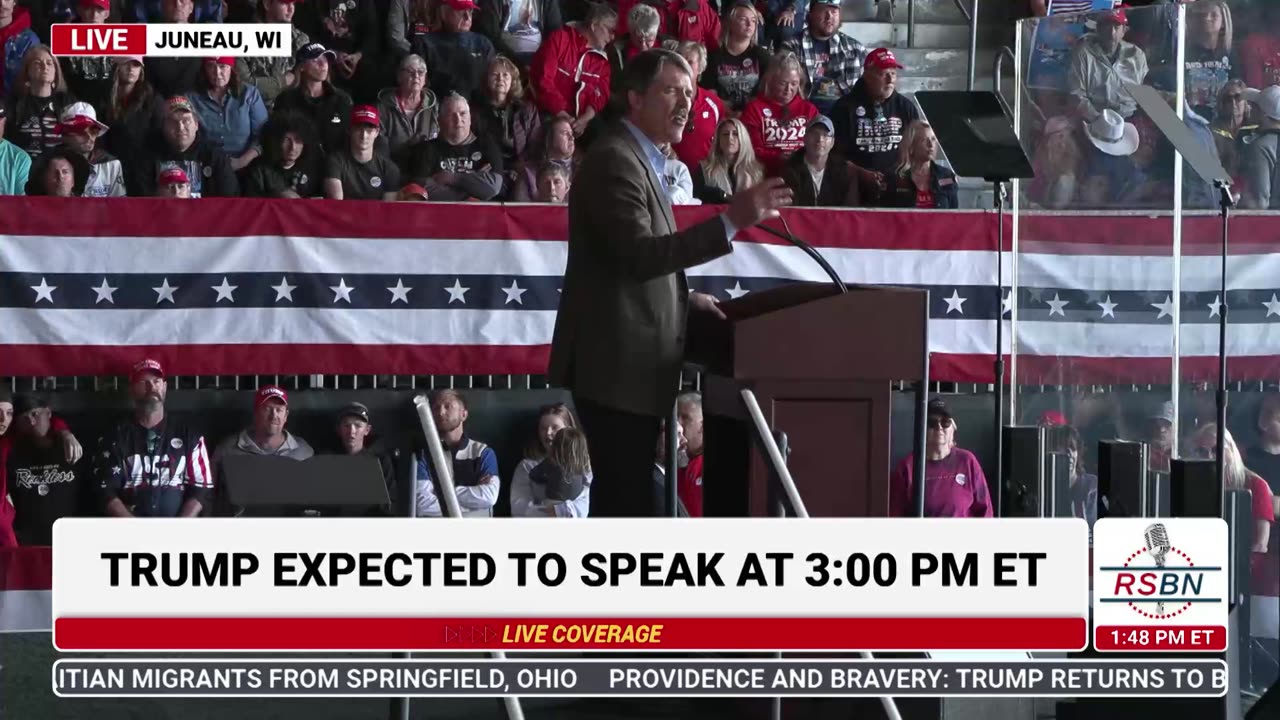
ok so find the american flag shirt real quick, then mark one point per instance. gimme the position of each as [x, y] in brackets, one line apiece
[154, 471]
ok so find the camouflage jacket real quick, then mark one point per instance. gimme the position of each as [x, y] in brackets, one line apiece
[267, 73]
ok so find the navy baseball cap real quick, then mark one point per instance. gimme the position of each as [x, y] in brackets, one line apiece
[311, 51]
[823, 121]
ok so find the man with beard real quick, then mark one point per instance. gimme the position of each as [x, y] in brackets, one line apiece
[357, 172]
[180, 143]
[832, 60]
[458, 165]
[42, 483]
[660, 468]
[870, 120]
[267, 434]
[80, 131]
[620, 329]
[475, 464]
[152, 465]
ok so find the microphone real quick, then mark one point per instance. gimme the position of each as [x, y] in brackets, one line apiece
[808, 250]
[1157, 538]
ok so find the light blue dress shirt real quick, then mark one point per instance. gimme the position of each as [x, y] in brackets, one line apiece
[658, 161]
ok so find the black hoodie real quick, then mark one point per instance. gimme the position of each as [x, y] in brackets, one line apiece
[208, 168]
[868, 133]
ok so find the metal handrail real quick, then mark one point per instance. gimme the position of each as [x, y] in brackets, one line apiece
[444, 474]
[971, 16]
[779, 465]
[997, 72]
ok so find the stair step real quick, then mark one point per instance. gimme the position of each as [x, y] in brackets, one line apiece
[928, 11]
[931, 35]
[941, 61]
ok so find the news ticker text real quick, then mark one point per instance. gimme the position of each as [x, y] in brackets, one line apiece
[626, 678]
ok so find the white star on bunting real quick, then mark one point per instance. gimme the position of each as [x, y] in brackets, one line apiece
[1273, 307]
[165, 291]
[104, 292]
[457, 292]
[399, 292]
[1165, 308]
[1215, 307]
[224, 290]
[514, 293]
[284, 291]
[44, 291]
[341, 291]
[1006, 303]
[955, 302]
[1056, 305]
[736, 291]
[1108, 307]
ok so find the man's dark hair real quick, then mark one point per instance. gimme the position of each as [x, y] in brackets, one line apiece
[599, 12]
[643, 69]
[6, 396]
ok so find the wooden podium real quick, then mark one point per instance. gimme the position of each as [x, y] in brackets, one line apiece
[821, 364]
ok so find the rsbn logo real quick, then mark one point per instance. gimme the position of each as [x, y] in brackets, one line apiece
[1159, 580]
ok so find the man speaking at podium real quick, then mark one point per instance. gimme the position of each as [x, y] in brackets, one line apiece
[619, 336]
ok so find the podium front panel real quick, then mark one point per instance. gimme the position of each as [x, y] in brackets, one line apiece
[839, 438]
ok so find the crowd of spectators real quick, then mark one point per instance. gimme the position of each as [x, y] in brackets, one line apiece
[154, 464]
[1094, 147]
[453, 100]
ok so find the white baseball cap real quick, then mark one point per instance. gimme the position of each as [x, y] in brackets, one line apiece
[1267, 100]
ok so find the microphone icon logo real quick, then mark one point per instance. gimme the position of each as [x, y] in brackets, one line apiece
[1157, 539]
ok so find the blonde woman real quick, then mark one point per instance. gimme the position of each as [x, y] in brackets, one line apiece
[1210, 62]
[730, 166]
[920, 182]
[734, 69]
[40, 94]
[1203, 444]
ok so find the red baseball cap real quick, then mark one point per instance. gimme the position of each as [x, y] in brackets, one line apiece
[1116, 17]
[102, 4]
[461, 4]
[882, 58]
[267, 393]
[173, 175]
[1053, 418]
[228, 61]
[143, 367]
[364, 115]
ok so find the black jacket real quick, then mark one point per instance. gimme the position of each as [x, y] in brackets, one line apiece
[208, 168]
[868, 133]
[172, 76]
[329, 113]
[902, 192]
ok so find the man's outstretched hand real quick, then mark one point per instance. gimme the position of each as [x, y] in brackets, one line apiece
[758, 202]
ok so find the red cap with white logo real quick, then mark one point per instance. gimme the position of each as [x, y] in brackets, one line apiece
[883, 58]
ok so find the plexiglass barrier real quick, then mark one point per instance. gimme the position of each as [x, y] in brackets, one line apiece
[1117, 245]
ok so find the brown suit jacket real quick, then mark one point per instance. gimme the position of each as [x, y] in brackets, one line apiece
[619, 337]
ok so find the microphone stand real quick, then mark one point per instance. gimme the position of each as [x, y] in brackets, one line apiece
[997, 490]
[922, 390]
[1225, 201]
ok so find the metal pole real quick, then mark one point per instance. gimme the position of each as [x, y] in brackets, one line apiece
[1226, 201]
[444, 474]
[673, 448]
[778, 462]
[973, 45]
[911, 22]
[998, 415]
[406, 492]
[779, 511]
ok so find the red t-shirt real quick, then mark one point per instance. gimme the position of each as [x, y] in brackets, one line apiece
[689, 486]
[924, 200]
[1264, 567]
[1260, 60]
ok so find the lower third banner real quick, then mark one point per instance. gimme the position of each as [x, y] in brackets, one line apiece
[206, 677]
